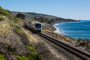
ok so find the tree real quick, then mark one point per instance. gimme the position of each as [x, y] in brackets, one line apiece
[3, 11]
[20, 15]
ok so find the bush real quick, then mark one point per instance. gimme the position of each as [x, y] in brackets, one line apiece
[34, 55]
[2, 57]
[22, 58]
[30, 57]
[3, 11]
[1, 19]
[20, 15]
[17, 29]
[32, 49]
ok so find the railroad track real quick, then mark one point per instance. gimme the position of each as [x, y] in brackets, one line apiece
[70, 49]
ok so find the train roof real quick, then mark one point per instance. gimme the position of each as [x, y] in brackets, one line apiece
[35, 22]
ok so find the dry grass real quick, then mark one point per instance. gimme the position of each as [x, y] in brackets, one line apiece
[13, 37]
[7, 24]
[4, 28]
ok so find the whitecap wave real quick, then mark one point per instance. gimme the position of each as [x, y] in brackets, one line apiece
[58, 31]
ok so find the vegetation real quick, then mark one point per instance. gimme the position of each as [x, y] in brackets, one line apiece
[2, 57]
[18, 30]
[33, 56]
[33, 49]
[20, 15]
[4, 12]
[22, 58]
[1, 18]
[13, 38]
[30, 57]
[4, 28]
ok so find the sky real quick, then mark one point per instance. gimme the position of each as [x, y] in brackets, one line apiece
[73, 9]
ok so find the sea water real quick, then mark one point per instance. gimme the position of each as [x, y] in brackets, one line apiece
[76, 30]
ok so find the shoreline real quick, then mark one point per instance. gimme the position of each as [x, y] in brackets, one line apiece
[54, 32]
[61, 32]
[77, 42]
[58, 30]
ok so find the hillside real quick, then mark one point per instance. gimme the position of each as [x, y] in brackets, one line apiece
[14, 43]
[43, 17]
[15, 40]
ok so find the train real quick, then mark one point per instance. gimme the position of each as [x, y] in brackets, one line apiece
[35, 26]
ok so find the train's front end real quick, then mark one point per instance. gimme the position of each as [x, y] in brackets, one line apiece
[38, 27]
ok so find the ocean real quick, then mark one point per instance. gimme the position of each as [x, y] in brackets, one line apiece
[75, 30]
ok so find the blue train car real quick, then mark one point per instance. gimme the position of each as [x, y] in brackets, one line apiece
[34, 26]
[37, 27]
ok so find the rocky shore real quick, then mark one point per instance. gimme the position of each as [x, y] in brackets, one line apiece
[51, 30]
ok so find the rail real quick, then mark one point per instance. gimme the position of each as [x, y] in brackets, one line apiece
[70, 49]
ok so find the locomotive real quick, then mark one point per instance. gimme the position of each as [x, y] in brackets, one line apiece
[34, 26]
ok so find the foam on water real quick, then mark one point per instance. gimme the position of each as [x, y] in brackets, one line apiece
[74, 29]
[58, 30]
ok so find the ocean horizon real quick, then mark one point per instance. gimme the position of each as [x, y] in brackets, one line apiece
[75, 30]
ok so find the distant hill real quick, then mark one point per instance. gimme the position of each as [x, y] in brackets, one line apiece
[43, 17]
[32, 14]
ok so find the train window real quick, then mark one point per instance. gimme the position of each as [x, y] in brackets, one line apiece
[38, 25]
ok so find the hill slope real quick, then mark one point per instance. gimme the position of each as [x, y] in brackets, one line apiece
[14, 44]
[43, 17]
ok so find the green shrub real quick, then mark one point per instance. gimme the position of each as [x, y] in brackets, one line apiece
[34, 55]
[1, 19]
[32, 49]
[22, 58]
[17, 29]
[4, 12]
[20, 15]
[30, 57]
[2, 57]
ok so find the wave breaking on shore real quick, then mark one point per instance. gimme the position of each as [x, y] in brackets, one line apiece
[58, 31]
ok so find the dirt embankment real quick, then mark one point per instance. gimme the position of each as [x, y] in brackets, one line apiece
[48, 27]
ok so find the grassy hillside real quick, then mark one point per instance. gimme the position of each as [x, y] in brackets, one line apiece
[3, 11]
[14, 44]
